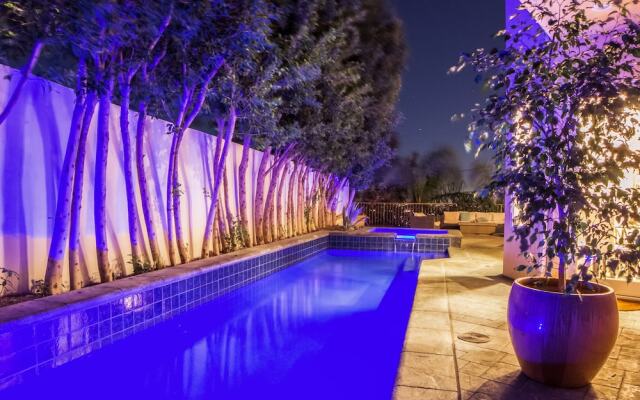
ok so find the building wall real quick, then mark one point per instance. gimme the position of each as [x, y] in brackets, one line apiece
[32, 146]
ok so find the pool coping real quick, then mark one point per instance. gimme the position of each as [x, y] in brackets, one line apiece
[450, 232]
[455, 236]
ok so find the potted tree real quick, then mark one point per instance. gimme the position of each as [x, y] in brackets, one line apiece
[560, 121]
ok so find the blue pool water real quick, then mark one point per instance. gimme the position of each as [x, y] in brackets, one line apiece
[330, 327]
[407, 233]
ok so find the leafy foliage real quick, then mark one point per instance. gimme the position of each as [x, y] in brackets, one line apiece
[352, 215]
[561, 121]
[8, 280]
[140, 266]
[234, 239]
[348, 130]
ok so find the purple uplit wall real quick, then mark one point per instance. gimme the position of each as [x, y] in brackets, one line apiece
[516, 19]
[32, 146]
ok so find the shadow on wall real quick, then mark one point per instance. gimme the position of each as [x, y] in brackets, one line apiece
[13, 211]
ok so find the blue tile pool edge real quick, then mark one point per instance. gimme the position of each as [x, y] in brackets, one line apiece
[64, 327]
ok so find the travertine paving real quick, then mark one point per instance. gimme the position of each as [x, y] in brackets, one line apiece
[466, 293]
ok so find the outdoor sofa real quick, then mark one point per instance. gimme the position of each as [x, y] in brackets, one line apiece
[471, 222]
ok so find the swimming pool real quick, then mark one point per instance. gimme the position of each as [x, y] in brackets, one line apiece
[407, 233]
[329, 327]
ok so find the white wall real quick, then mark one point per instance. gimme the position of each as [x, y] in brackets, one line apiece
[32, 146]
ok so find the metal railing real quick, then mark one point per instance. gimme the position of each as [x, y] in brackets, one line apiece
[397, 214]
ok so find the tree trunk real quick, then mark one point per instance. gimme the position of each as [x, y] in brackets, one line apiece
[320, 201]
[75, 272]
[215, 237]
[223, 228]
[335, 195]
[215, 226]
[170, 184]
[132, 209]
[176, 198]
[280, 200]
[259, 205]
[291, 214]
[268, 224]
[322, 207]
[142, 185]
[301, 223]
[219, 168]
[53, 274]
[242, 191]
[100, 190]
[312, 202]
[182, 125]
[329, 186]
[562, 264]
[227, 207]
[24, 76]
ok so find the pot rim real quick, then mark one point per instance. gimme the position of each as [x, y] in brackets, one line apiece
[519, 282]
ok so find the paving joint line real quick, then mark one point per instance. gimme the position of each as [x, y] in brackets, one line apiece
[453, 339]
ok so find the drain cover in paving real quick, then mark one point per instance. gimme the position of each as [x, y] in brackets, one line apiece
[474, 337]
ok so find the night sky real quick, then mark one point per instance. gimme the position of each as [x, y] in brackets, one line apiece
[436, 33]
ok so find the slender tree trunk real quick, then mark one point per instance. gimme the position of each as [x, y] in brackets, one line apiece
[100, 191]
[184, 121]
[75, 272]
[223, 229]
[321, 182]
[259, 204]
[53, 274]
[218, 228]
[562, 264]
[242, 191]
[25, 72]
[219, 168]
[132, 209]
[291, 214]
[329, 192]
[173, 155]
[334, 200]
[170, 247]
[318, 211]
[312, 202]
[229, 214]
[280, 202]
[300, 202]
[142, 184]
[215, 237]
[176, 199]
[323, 207]
[269, 225]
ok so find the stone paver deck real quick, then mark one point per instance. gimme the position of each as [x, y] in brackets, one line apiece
[467, 293]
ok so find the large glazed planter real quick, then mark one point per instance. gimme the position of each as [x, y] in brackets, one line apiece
[561, 340]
